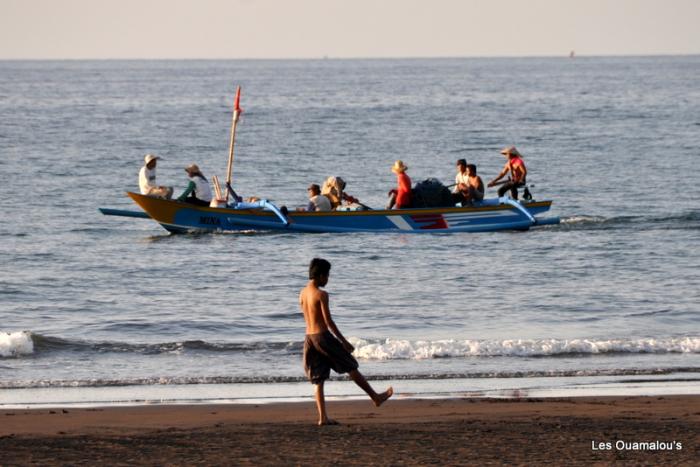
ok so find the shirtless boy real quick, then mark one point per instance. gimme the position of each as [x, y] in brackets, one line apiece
[324, 346]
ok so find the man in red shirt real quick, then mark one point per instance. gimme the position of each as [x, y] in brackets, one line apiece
[518, 173]
[401, 196]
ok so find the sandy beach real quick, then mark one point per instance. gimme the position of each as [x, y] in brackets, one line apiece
[575, 431]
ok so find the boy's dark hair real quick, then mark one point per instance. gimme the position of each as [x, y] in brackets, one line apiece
[319, 267]
[462, 162]
[472, 167]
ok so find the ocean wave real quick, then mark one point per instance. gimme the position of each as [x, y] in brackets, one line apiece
[190, 380]
[395, 349]
[49, 344]
[18, 344]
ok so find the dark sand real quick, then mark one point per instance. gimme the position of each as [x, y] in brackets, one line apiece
[402, 432]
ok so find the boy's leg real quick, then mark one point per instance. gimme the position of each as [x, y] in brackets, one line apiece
[321, 403]
[360, 380]
[321, 406]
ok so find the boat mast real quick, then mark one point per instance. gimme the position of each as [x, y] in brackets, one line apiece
[236, 114]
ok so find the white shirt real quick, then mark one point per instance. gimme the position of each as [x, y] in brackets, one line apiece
[319, 203]
[202, 190]
[147, 180]
[461, 177]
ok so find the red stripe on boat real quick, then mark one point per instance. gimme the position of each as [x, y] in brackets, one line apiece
[431, 221]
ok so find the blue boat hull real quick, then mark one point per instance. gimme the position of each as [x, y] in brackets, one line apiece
[491, 215]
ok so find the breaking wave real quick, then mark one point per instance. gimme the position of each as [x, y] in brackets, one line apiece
[392, 349]
[18, 344]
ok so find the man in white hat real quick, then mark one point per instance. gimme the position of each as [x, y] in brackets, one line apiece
[147, 179]
[518, 172]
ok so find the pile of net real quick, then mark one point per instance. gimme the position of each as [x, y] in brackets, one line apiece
[431, 193]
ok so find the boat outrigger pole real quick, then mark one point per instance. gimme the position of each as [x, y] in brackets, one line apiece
[236, 114]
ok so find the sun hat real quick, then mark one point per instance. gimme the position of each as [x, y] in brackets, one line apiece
[510, 151]
[192, 168]
[149, 157]
[399, 167]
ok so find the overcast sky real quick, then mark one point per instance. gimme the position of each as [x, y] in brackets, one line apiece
[73, 29]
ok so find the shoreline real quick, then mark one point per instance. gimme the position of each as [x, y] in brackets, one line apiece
[679, 384]
[403, 431]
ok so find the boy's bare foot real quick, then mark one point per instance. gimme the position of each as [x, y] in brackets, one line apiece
[381, 398]
[328, 421]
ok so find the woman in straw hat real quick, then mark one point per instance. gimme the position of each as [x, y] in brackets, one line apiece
[401, 196]
[198, 191]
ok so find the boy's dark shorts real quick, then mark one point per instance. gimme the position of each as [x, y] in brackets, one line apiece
[321, 353]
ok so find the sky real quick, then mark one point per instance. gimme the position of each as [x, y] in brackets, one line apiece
[211, 29]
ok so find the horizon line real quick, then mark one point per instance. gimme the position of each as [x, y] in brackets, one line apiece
[327, 57]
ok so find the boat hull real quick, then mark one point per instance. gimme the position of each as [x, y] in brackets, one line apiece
[491, 215]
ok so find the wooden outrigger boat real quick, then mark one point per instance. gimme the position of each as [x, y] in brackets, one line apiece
[490, 215]
[486, 216]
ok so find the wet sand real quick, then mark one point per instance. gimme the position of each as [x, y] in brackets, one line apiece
[570, 431]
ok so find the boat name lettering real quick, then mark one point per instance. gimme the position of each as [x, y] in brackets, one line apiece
[209, 220]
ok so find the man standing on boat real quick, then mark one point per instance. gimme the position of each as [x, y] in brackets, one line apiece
[147, 179]
[518, 173]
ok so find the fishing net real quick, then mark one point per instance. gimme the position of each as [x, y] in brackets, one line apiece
[431, 193]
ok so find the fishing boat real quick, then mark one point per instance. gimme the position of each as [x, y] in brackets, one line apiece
[490, 215]
[229, 213]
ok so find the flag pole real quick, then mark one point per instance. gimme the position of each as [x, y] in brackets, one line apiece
[236, 114]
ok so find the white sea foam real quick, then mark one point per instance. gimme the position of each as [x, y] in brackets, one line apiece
[583, 219]
[391, 349]
[16, 343]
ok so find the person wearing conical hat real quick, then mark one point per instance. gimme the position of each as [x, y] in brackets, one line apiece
[518, 173]
[198, 190]
[400, 197]
[147, 179]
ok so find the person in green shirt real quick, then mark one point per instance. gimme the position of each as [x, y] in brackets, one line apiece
[198, 190]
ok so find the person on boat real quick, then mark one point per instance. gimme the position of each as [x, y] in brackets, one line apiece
[460, 192]
[147, 179]
[334, 190]
[325, 348]
[198, 190]
[475, 186]
[400, 197]
[518, 173]
[317, 201]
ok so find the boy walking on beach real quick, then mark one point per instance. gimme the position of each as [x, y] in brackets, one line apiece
[324, 345]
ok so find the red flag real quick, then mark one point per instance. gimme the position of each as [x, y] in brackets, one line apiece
[237, 101]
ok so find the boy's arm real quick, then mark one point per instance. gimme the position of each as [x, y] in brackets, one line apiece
[326, 312]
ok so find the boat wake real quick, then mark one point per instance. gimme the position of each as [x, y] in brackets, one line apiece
[689, 220]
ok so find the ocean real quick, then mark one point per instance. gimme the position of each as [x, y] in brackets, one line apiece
[99, 310]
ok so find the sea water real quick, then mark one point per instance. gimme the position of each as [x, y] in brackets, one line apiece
[97, 309]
